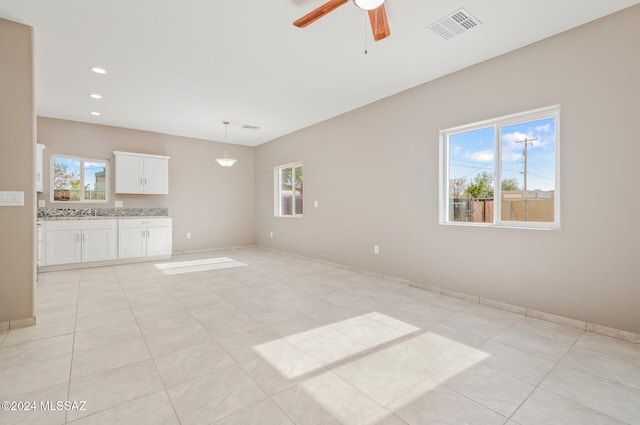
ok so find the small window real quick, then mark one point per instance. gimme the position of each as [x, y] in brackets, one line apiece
[78, 179]
[502, 172]
[288, 190]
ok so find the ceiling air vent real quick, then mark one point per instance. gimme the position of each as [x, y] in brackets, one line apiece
[250, 127]
[455, 24]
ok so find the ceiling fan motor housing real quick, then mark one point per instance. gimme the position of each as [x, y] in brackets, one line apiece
[368, 4]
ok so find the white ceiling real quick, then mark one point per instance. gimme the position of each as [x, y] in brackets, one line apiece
[183, 67]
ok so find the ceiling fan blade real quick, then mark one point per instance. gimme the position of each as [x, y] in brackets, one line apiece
[379, 23]
[318, 13]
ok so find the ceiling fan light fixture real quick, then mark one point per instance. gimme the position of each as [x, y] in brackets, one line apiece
[369, 4]
[226, 161]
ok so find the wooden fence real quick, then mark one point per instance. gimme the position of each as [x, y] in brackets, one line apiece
[481, 210]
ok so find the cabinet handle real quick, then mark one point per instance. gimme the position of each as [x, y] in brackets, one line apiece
[145, 181]
[143, 234]
[148, 235]
[140, 181]
[83, 237]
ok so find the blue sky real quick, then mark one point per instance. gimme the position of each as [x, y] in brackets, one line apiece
[473, 152]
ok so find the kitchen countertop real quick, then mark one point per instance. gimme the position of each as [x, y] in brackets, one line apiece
[92, 217]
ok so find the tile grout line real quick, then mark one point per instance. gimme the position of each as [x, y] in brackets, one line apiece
[121, 366]
[235, 363]
[473, 299]
[536, 387]
[73, 348]
[151, 356]
[290, 285]
[508, 418]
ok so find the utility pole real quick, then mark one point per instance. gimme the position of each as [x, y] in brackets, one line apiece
[526, 142]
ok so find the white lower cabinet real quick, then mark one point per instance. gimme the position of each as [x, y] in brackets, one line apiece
[147, 237]
[77, 241]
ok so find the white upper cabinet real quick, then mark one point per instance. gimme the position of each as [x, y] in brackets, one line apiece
[39, 167]
[141, 173]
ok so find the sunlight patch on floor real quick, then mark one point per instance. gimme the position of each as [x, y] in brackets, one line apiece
[180, 267]
[319, 358]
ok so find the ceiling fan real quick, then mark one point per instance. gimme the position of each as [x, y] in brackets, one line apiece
[375, 8]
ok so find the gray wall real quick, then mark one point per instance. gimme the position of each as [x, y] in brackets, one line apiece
[214, 204]
[17, 147]
[374, 172]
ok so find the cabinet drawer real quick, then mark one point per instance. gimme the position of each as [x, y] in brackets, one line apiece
[80, 224]
[127, 223]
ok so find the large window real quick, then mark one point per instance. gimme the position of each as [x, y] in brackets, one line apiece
[502, 172]
[288, 190]
[76, 179]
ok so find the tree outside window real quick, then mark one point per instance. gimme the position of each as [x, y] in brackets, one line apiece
[78, 180]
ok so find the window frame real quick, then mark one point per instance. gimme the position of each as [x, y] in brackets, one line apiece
[82, 160]
[277, 199]
[498, 124]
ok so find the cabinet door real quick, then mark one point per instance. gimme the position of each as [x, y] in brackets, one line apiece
[159, 241]
[132, 242]
[98, 245]
[39, 167]
[129, 174]
[156, 176]
[63, 246]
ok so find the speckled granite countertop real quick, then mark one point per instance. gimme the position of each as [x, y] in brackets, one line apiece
[101, 218]
[53, 214]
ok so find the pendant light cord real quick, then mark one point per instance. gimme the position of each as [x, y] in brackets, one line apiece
[226, 139]
[366, 39]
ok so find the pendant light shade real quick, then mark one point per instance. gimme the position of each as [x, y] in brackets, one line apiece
[226, 161]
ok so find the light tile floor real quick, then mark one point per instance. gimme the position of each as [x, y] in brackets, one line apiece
[288, 341]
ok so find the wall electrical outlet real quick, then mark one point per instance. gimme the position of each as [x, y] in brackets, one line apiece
[118, 204]
[315, 204]
[188, 235]
[41, 203]
[270, 234]
[376, 249]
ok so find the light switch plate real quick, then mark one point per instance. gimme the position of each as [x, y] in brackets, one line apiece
[11, 199]
[118, 204]
[41, 203]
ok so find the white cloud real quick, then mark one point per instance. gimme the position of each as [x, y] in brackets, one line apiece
[543, 128]
[457, 150]
[480, 156]
[512, 139]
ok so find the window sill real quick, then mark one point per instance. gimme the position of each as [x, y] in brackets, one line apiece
[552, 227]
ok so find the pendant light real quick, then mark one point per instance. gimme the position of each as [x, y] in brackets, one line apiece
[226, 161]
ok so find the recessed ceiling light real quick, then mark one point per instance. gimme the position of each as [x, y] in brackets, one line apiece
[98, 70]
[95, 96]
[97, 114]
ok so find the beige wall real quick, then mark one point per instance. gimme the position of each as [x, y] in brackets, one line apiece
[214, 204]
[374, 172]
[17, 224]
